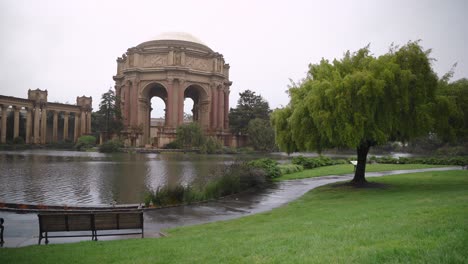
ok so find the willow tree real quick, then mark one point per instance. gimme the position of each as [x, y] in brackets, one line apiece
[358, 102]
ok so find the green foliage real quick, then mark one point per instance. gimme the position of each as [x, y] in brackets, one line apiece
[113, 145]
[310, 163]
[270, 167]
[172, 145]
[211, 145]
[190, 136]
[460, 161]
[282, 126]
[249, 107]
[229, 180]
[360, 101]
[109, 117]
[451, 111]
[261, 135]
[18, 141]
[85, 142]
[290, 168]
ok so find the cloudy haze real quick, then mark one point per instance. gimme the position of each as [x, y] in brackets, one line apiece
[70, 47]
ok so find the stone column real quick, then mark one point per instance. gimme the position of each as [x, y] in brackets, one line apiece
[65, 126]
[83, 123]
[28, 125]
[214, 107]
[180, 117]
[88, 126]
[4, 123]
[226, 109]
[77, 127]
[134, 103]
[55, 128]
[16, 121]
[169, 104]
[37, 118]
[220, 108]
[43, 125]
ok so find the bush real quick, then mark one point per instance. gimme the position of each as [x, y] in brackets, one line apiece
[235, 178]
[172, 145]
[310, 163]
[290, 168]
[268, 165]
[110, 146]
[459, 160]
[18, 141]
[211, 146]
[85, 142]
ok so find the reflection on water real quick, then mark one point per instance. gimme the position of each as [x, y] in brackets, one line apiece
[68, 177]
[91, 178]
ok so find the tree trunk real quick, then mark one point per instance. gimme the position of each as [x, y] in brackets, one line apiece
[360, 173]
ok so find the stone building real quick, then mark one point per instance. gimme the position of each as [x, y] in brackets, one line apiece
[30, 118]
[172, 66]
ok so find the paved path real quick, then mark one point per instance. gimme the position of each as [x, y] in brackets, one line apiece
[22, 229]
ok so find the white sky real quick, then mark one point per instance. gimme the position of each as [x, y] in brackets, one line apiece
[70, 47]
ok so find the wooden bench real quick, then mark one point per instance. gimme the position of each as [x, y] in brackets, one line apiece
[93, 222]
[1, 232]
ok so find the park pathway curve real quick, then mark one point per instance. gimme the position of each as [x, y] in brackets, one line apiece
[22, 229]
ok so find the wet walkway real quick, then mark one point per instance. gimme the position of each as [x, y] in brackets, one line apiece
[22, 229]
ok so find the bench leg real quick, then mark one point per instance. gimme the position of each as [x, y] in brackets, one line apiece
[46, 238]
[40, 238]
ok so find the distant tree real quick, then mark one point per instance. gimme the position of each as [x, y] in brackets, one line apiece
[261, 134]
[190, 136]
[360, 101]
[249, 107]
[108, 118]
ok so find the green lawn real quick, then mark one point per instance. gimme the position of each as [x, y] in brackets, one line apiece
[348, 168]
[417, 218]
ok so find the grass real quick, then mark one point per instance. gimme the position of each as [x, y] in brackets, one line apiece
[349, 168]
[417, 218]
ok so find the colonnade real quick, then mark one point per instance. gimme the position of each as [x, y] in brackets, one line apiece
[32, 114]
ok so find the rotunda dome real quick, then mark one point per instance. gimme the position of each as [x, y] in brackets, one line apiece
[178, 36]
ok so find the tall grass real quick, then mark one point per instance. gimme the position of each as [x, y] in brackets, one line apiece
[230, 179]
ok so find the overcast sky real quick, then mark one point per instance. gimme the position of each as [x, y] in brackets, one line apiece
[70, 47]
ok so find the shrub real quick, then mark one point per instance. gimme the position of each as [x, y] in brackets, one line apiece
[211, 146]
[459, 160]
[310, 163]
[235, 177]
[18, 141]
[290, 168]
[85, 142]
[268, 165]
[172, 145]
[113, 145]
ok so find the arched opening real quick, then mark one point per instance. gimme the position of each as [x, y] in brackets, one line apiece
[188, 110]
[194, 95]
[157, 113]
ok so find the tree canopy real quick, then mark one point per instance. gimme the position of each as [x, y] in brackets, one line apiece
[451, 110]
[249, 107]
[360, 101]
[108, 118]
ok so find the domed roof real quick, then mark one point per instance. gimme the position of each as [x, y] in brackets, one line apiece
[178, 36]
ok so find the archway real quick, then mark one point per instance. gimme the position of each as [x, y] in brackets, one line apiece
[156, 95]
[199, 97]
